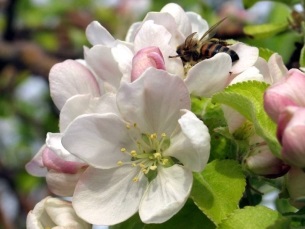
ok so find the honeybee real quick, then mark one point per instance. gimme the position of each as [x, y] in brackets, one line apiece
[192, 50]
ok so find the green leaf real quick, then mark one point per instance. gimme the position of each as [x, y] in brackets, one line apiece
[133, 222]
[265, 30]
[249, 3]
[265, 53]
[247, 98]
[302, 57]
[257, 217]
[217, 190]
[188, 217]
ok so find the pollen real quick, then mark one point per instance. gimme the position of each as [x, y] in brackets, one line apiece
[135, 179]
[119, 163]
[123, 150]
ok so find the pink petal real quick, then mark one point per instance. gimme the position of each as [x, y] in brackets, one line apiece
[147, 57]
[52, 161]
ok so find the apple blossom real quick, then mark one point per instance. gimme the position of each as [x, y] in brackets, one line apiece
[142, 156]
[165, 30]
[145, 58]
[261, 161]
[291, 132]
[54, 213]
[287, 92]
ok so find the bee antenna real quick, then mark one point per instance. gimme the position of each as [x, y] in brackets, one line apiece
[174, 56]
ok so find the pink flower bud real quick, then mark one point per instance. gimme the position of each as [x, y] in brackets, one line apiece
[145, 58]
[262, 162]
[287, 92]
[296, 187]
[52, 161]
[291, 133]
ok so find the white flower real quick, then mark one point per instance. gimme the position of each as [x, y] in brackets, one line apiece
[166, 30]
[54, 213]
[142, 158]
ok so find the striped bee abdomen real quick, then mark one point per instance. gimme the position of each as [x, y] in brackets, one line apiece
[210, 49]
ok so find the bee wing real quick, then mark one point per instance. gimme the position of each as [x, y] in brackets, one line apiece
[189, 41]
[211, 31]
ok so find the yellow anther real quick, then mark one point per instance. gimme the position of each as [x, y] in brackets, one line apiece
[157, 155]
[119, 163]
[164, 161]
[128, 126]
[135, 125]
[134, 164]
[145, 171]
[135, 179]
[153, 167]
[133, 153]
[153, 136]
[163, 135]
[123, 150]
[142, 165]
[151, 157]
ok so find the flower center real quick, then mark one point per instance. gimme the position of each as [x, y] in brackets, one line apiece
[148, 154]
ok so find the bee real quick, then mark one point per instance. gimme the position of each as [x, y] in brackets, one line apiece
[192, 50]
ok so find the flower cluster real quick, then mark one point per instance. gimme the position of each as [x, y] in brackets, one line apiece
[285, 103]
[128, 140]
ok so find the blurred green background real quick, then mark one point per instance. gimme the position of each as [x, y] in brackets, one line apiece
[36, 34]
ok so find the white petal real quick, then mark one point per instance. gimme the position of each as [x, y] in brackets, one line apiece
[35, 167]
[199, 25]
[167, 21]
[98, 139]
[38, 218]
[97, 34]
[132, 31]
[277, 67]
[71, 78]
[109, 196]
[152, 34]
[248, 55]
[153, 101]
[102, 62]
[191, 145]
[62, 184]
[182, 20]
[53, 142]
[234, 119]
[86, 104]
[166, 194]
[123, 56]
[62, 213]
[263, 68]
[209, 76]
[251, 73]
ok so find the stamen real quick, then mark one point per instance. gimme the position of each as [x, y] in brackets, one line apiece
[157, 155]
[119, 163]
[133, 153]
[153, 167]
[123, 150]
